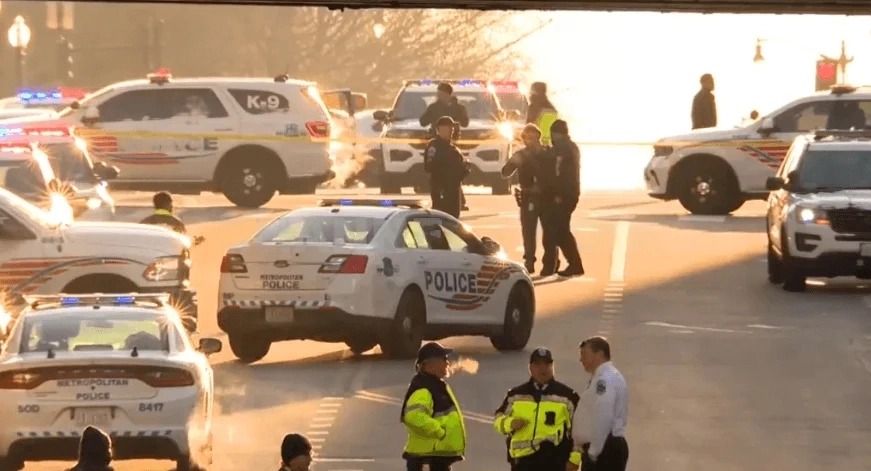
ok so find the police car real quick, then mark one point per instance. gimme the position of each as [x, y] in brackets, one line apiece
[485, 143]
[40, 254]
[714, 171]
[819, 211]
[55, 99]
[38, 163]
[247, 138]
[122, 363]
[367, 273]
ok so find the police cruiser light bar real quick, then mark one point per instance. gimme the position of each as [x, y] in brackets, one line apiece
[58, 95]
[53, 131]
[842, 133]
[505, 84]
[160, 77]
[455, 82]
[387, 203]
[97, 299]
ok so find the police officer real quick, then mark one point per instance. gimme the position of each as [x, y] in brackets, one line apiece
[601, 433]
[296, 453]
[446, 104]
[431, 414]
[567, 167]
[163, 216]
[537, 418]
[446, 167]
[528, 165]
[541, 111]
[95, 451]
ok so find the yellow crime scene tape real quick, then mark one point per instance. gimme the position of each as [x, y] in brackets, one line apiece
[85, 133]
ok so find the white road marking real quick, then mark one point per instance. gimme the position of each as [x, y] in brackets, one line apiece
[763, 326]
[698, 329]
[618, 255]
[323, 420]
[699, 218]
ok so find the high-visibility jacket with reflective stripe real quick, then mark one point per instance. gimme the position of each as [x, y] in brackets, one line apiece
[545, 121]
[433, 420]
[534, 405]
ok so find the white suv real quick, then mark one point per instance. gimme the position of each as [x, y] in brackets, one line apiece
[485, 143]
[819, 211]
[247, 138]
[714, 171]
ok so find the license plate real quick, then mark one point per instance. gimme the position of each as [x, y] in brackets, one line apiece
[97, 416]
[865, 250]
[279, 314]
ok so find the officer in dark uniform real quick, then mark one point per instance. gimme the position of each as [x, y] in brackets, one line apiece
[528, 165]
[567, 192]
[537, 419]
[446, 168]
[296, 453]
[163, 216]
[446, 104]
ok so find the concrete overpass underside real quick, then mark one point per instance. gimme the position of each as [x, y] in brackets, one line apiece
[837, 7]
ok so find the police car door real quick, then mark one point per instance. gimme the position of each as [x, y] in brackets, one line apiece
[451, 275]
[199, 119]
[19, 245]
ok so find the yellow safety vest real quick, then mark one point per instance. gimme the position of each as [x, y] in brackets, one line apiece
[528, 403]
[545, 120]
[434, 424]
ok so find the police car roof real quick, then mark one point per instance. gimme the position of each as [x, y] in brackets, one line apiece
[211, 81]
[841, 145]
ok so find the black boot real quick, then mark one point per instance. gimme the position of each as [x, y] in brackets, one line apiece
[552, 271]
[570, 271]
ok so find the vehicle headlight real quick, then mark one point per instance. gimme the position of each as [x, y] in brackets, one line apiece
[163, 269]
[811, 216]
[94, 203]
[506, 130]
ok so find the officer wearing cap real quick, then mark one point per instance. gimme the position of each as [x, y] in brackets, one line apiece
[446, 167]
[446, 104]
[296, 453]
[537, 419]
[431, 414]
[541, 111]
[163, 216]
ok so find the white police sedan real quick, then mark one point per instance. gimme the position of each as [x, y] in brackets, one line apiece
[122, 363]
[367, 273]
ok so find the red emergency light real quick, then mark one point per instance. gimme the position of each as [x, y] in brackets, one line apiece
[505, 83]
[160, 76]
[61, 131]
[827, 70]
[73, 93]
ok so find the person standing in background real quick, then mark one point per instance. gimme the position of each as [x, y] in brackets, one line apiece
[541, 111]
[568, 193]
[704, 113]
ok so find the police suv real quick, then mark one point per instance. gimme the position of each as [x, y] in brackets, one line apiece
[367, 273]
[485, 143]
[41, 254]
[122, 363]
[819, 211]
[247, 138]
[714, 171]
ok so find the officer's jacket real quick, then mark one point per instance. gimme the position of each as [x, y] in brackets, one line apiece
[438, 109]
[535, 405]
[445, 163]
[433, 420]
[568, 168]
[162, 217]
[542, 114]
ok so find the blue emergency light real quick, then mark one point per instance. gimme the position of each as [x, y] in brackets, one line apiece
[125, 300]
[70, 301]
[346, 202]
[386, 203]
[28, 96]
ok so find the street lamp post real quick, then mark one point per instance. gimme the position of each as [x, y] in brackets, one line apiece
[843, 61]
[19, 38]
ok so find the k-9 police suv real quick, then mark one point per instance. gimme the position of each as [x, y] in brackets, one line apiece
[819, 211]
[714, 171]
[486, 142]
[122, 363]
[369, 273]
[40, 254]
[247, 138]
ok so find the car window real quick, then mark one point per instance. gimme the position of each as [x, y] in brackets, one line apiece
[69, 162]
[804, 117]
[415, 231]
[298, 228]
[835, 169]
[22, 178]
[793, 156]
[106, 332]
[479, 104]
[160, 104]
[11, 229]
[259, 101]
[455, 241]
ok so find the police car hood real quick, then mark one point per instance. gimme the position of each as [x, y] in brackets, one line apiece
[844, 199]
[414, 125]
[706, 135]
[120, 234]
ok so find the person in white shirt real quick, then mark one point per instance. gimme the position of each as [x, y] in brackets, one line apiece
[601, 431]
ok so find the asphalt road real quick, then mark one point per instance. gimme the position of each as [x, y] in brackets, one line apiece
[726, 372]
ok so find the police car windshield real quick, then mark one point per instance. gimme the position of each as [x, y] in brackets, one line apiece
[513, 101]
[23, 177]
[69, 163]
[98, 330]
[326, 228]
[30, 211]
[829, 170]
[479, 104]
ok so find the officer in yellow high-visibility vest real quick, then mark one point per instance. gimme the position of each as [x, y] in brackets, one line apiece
[541, 111]
[537, 418]
[431, 414]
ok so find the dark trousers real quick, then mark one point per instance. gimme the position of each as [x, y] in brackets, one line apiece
[447, 198]
[558, 234]
[614, 456]
[530, 215]
[544, 460]
[416, 464]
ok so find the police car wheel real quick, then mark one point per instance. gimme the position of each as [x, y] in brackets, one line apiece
[7, 465]
[708, 188]
[406, 332]
[249, 183]
[249, 348]
[775, 267]
[794, 281]
[518, 321]
[186, 463]
[359, 346]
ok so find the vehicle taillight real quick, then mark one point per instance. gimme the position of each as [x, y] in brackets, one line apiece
[21, 379]
[347, 264]
[318, 129]
[233, 263]
[167, 378]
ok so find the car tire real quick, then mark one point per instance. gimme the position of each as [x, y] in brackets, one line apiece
[405, 335]
[794, 281]
[359, 346]
[519, 319]
[249, 348]
[708, 187]
[7, 465]
[249, 183]
[186, 463]
[775, 267]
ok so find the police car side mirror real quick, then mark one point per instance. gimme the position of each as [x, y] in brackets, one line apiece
[491, 246]
[774, 183]
[209, 346]
[381, 115]
[766, 126]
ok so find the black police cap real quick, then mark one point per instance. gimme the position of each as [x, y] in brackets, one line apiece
[541, 354]
[445, 121]
[433, 350]
[445, 87]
